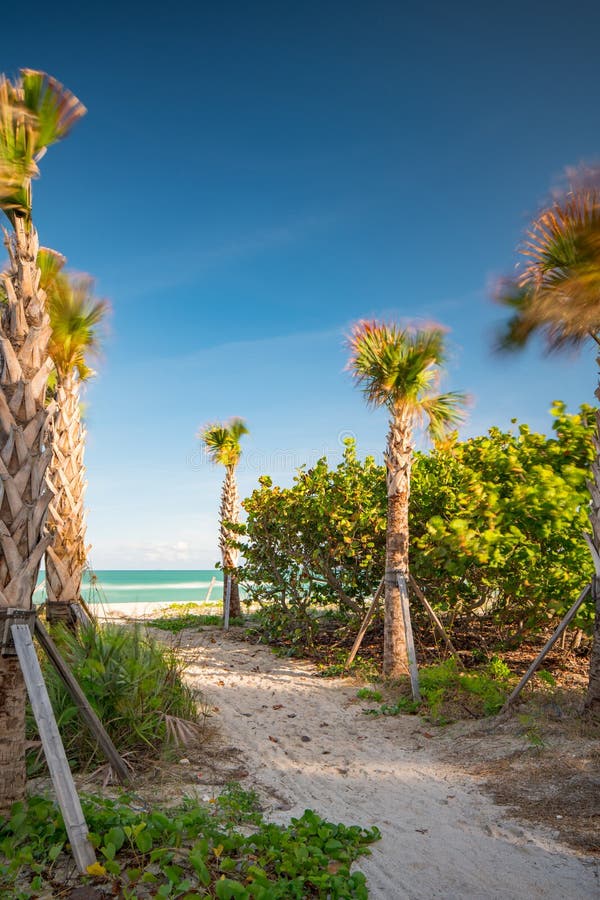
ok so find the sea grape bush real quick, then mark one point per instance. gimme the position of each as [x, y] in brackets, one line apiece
[319, 542]
[496, 523]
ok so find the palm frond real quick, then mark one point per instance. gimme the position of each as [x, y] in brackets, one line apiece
[400, 368]
[390, 362]
[54, 107]
[557, 294]
[444, 412]
[222, 441]
[35, 112]
[182, 732]
[75, 316]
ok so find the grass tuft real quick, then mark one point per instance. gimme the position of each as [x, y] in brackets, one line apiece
[135, 685]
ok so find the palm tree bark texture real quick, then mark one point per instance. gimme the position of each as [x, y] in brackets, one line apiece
[66, 555]
[24, 494]
[398, 461]
[229, 512]
[35, 112]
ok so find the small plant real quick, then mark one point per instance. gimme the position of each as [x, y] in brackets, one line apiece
[546, 677]
[190, 851]
[369, 694]
[403, 706]
[362, 666]
[239, 806]
[531, 730]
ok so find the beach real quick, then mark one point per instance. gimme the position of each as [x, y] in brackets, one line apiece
[148, 609]
[127, 593]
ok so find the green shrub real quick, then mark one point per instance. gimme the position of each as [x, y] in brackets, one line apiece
[133, 683]
[496, 526]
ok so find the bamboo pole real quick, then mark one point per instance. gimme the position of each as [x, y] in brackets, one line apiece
[547, 647]
[365, 624]
[436, 621]
[410, 643]
[82, 703]
[66, 793]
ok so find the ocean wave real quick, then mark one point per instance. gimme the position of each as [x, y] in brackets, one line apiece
[181, 586]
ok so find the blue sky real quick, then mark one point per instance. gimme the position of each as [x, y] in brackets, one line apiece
[252, 178]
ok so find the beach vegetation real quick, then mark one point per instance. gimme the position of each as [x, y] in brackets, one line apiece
[399, 368]
[223, 446]
[195, 621]
[497, 543]
[556, 296]
[314, 546]
[223, 850]
[35, 112]
[448, 692]
[135, 685]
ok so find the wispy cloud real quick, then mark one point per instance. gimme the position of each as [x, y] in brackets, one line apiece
[186, 263]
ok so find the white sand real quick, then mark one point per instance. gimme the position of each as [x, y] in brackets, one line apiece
[146, 609]
[442, 837]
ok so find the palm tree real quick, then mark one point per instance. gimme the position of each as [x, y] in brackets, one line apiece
[557, 295]
[399, 368]
[74, 316]
[35, 112]
[222, 442]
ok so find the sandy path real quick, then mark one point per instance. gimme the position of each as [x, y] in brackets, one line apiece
[307, 744]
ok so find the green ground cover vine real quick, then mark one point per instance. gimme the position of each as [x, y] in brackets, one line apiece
[189, 852]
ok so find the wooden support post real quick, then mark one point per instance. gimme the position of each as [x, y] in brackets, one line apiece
[436, 622]
[210, 587]
[227, 602]
[82, 703]
[56, 758]
[81, 615]
[547, 647]
[365, 624]
[410, 643]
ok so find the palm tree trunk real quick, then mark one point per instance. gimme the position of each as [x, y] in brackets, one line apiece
[398, 460]
[24, 494]
[229, 512]
[66, 556]
[592, 700]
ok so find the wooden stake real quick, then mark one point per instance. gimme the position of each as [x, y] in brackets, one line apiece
[365, 624]
[436, 622]
[210, 587]
[410, 643]
[82, 703]
[56, 758]
[227, 602]
[547, 647]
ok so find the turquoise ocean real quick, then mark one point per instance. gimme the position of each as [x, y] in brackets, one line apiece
[146, 586]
